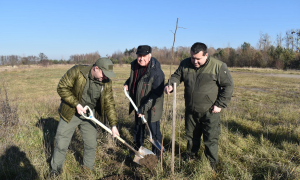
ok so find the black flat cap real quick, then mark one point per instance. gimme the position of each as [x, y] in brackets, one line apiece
[144, 50]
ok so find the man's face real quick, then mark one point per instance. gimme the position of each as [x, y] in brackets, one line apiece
[98, 74]
[198, 59]
[143, 60]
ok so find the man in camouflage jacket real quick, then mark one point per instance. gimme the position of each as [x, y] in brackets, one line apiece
[81, 86]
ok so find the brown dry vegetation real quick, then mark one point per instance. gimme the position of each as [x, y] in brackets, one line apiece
[259, 138]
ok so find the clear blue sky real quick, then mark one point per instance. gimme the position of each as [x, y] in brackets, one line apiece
[60, 28]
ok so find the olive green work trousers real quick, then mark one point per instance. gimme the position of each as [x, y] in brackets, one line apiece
[63, 137]
[208, 125]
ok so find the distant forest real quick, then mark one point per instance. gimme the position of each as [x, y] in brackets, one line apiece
[283, 53]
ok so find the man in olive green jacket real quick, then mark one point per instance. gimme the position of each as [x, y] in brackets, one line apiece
[81, 86]
[208, 87]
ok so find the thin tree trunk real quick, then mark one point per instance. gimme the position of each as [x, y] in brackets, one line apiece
[164, 122]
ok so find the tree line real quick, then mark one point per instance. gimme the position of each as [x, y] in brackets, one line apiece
[42, 59]
[283, 53]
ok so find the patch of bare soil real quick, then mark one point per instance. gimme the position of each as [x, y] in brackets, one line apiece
[121, 177]
[149, 161]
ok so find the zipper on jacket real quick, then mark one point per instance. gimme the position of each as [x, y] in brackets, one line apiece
[196, 78]
[193, 107]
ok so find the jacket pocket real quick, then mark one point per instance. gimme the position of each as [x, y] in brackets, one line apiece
[208, 99]
[66, 111]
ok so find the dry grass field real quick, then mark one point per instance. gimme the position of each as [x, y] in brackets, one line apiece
[259, 138]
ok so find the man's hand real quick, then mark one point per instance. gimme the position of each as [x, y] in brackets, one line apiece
[115, 131]
[216, 109]
[168, 89]
[140, 115]
[125, 86]
[80, 109]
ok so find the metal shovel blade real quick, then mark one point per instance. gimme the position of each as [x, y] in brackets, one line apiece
[156, 144]
[142, 151]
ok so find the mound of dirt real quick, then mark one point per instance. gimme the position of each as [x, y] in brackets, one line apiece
[149, 161]
[121, 177]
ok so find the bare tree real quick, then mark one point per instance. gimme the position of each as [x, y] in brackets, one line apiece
[279, 39]
[297, 40]
[264, 42]
[292, 38]
[117, 56]
[295, 37]
[2, 60]
[13, 60]
[287, 39]
[211, 51]
[32, 59]
[88, 58]
[43, 59]
[25, 61]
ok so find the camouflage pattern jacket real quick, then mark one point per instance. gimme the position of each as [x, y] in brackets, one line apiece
[70, 89]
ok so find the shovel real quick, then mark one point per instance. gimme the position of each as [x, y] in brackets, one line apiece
[138, 154]
[155, 143]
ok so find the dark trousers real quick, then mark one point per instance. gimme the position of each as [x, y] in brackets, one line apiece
[139, 133]
[208, 125]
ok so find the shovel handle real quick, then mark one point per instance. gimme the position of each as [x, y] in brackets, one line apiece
[143, 119]
[134, 106]
[92, 118]
[156, 144]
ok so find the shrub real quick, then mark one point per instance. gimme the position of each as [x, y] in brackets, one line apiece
[8, 112]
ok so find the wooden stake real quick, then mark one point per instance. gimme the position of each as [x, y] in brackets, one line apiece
[173, 128]
[179, 140]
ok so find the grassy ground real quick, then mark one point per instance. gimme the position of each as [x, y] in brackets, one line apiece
[259, 137]
[265, 70]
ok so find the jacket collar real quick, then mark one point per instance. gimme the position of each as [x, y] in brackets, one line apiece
[205, 64]
[207, 61]
[152, 63]
[85, 71]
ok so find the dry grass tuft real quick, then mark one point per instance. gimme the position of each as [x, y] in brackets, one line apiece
[8, 110]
